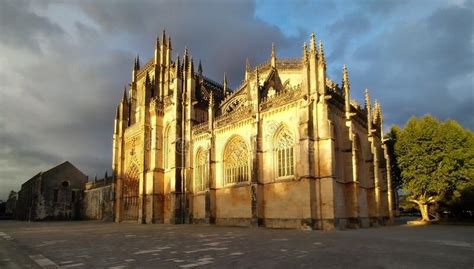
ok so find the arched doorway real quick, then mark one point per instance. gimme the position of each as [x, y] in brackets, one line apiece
[130, 194]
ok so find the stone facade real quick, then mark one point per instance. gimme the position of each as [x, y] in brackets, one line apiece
[52, 195]
[98, 201]
[287, 148]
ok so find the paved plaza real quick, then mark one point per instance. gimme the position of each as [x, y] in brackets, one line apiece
[128, 245]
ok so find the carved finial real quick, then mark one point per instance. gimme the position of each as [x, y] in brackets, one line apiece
[211, 100]
[313, 43]
[305, 53]
[137, 63]
[163, 36]
[367, 98]
[257, 77]
[369, 111]
[225, 82]
[377, 113]
[345, 76]
[346, 86]
[200, 68]
[178, 66]
[169, 43]
[273, 60]
[381, 120]
[247, 69]
[124, 97]
[157, 44]
[321, 52]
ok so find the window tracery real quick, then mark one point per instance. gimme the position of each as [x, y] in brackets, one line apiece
[284, 151]
[201, 178]
[236, 161]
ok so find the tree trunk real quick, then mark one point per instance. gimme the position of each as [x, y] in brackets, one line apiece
[424, 208]
[425, 216]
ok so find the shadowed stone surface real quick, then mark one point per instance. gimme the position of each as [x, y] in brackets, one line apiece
[127, 245]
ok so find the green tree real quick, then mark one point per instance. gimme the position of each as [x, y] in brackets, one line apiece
[435, 159]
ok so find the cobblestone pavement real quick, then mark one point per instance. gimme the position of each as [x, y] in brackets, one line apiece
[127, 245]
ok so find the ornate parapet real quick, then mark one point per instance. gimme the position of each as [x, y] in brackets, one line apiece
[234, 116]
[200, 128]
[282, 97]
[288, 63]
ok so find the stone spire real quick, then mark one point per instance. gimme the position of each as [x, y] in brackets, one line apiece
[381, 120]
[346, 86]
[163, 36]
[273, 60]
[313, 44]
[369, 111]
[225, 82]
[185, 55]
[137, 63]
[178, 66]
[157, 55]
[200, 68]
[169, 43]
[157, 43]
[305, 53]
[247, 69]
[124, 97]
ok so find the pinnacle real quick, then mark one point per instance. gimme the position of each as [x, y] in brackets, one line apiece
[313, 42]
[200, 67]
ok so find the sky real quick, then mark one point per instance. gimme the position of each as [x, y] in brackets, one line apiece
[63, 64]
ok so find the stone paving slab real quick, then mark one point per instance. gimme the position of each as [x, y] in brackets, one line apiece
[127, 245]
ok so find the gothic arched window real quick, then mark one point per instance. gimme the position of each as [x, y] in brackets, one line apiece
[201, 178]
[167, 147]
[284, 153]
[236, 161]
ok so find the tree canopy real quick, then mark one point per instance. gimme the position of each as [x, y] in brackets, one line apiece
[435, 159]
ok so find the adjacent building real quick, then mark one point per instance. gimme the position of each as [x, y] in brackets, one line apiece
[286, 148]
[55, 194]
[98, 200]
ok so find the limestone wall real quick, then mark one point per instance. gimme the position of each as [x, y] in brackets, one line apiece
[98, 203]
[234, 205]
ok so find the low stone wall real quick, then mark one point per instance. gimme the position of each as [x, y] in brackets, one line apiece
[98, 203]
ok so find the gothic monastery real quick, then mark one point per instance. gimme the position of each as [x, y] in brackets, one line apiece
[287, 148]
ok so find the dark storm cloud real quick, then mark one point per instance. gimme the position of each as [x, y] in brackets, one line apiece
[345, 31]
[424, 66]
[22, 27]
[65, 97]
[221, 33]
